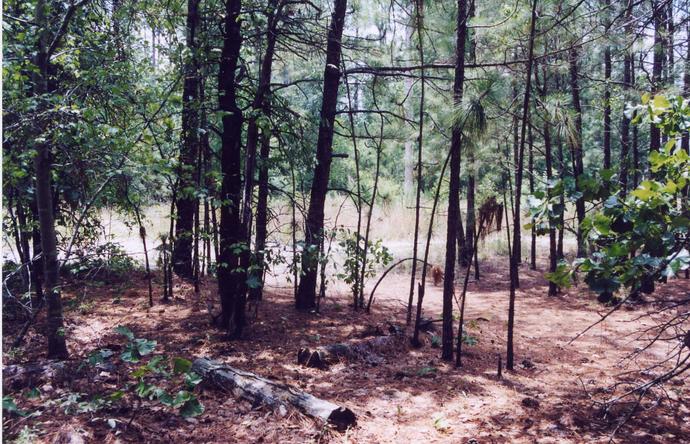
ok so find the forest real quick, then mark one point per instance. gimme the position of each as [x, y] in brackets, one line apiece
[382, 221]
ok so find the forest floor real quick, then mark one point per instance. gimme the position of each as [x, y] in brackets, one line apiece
[410, 396]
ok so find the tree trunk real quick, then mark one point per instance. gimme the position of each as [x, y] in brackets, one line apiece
[274, 395]
[576, 146]
[657, 66]
[454, 186]
[548, 160]
[468, 249]
[55, 333]
[518, 188]
[627, 85]
[607, 90]
[187, 201]
[419, 7]
[685, 143]
[262, 103]
[530, 171]
[306, 295]
[231, 279]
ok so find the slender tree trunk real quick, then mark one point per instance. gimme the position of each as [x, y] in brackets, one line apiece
[685, 143]
[419, 19]
[671, 29]
[408, 159]
[627, 85]
[359, 260]
[367, 230]
[657, 66]
[517, 246]
[607, 89]
[548, 160]
[468, 250]
[454, 186]
[530, 171]
[187, 201]
[306, 295]
[635, 139]
[231, 279]
[262, 103]
[561, 215]
[262, 215]
[576, 146]
[518, 188]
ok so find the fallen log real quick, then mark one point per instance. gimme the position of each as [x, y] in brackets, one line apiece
[275, 395]
[19, 376]
[368, 350]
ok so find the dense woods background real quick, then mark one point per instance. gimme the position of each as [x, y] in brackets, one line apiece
[320, 146]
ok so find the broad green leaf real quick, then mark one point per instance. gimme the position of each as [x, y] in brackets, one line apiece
[181, 365]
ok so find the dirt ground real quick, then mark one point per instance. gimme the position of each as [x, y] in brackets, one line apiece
[410, 396]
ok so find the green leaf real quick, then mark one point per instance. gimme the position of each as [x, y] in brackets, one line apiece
[9, 406]
[181, 365]
[126, 332]
[144, 346]
[191, 408]
[32, 393]
[661, 102]
[116, 395]
[192, 379]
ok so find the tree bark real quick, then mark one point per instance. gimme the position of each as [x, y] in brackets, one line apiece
[306, 295]
[530, 171]
[231, 279]
[419, 21]
[468, 250]
[627, 85]
[262, 103]
[518, 189]
[657, 67]
[685, 142]
[187, 200]
[454, 186]
[607, 90]
[55, 333]
[548, 160]
[274, 395]
[576, 145]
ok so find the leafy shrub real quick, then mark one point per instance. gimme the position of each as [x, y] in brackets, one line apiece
[176, 370]
[106, 261]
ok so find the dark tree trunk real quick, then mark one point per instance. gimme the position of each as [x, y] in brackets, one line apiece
[627, 85]
[517, 247]
[518, 188]
[467, 252]
[262, 214]
[262, 102]
[530, 171]
[576, 145]
[607, 91]
[55, 333]
[548, 160]
[635, 139]
[454, 186]
[231, 279]
[419, 20]
[187, 201]
[306, 295]
[685, 143]
[658, 15]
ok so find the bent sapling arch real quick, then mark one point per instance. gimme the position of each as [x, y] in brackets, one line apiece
[385, 273]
